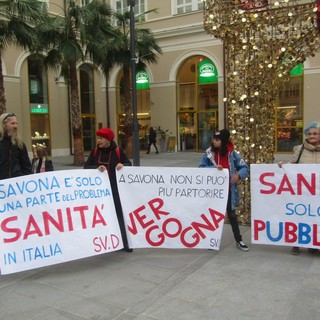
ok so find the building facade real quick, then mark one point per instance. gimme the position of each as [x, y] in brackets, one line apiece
[182, 94]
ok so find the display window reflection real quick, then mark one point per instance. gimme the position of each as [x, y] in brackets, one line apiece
[207, 125]
[197, 103]
[289, 114]
[38, 102]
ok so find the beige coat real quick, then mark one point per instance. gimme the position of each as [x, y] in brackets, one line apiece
[310, 154]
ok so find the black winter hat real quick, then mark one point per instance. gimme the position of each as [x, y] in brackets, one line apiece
[223, 135]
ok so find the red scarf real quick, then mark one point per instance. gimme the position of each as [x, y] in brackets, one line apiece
[223, 160]
[220, 160]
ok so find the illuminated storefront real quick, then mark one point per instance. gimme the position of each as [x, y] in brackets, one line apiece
[289, 112]
[197, 107]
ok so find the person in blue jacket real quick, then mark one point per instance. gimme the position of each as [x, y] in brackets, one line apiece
[221, 155]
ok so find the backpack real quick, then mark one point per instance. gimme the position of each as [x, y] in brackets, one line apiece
[117, 152]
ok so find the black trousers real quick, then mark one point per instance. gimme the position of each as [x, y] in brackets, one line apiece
[118, 208]
[154, 144]
[233, 220]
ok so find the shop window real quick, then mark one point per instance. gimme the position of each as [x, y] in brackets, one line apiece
[207, 125]
[208, 97]
[187, 97]
[197, 104]
[87, 107]
[143, 110]
[143, 107]
[289, 114]
[38, 103]
[86, 90]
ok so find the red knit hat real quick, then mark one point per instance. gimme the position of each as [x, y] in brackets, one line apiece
[105, 133]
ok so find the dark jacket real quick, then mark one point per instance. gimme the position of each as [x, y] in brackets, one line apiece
[109, 158]
[14, 162]
[152, 136]
[48, 165]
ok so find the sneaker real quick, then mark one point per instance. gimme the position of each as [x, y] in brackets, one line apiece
[314, 252]
[295, 251]
[242, 246]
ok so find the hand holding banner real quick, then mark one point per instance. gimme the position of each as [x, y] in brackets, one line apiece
[285, 206]
[54, 217]
[173, 207]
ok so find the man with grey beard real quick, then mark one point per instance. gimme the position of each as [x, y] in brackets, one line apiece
[14, 159]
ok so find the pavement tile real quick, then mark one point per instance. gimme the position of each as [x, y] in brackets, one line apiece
[266, 283]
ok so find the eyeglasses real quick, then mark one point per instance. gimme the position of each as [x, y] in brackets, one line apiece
[9, 115]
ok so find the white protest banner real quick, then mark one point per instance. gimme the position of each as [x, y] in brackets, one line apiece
[173, 207]
[54, 217]
[285, 208]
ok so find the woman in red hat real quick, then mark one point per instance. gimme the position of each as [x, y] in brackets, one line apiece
[107, 156]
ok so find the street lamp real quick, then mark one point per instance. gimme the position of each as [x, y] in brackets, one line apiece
[135, 129]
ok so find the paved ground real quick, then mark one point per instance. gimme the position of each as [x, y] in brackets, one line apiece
[266, 283]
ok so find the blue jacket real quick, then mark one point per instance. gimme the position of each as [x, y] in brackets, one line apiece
[236, 164]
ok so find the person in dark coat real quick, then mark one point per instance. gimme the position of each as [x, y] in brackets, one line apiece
[152, 140]
[40, 161]
[107, 156]
[14, 159]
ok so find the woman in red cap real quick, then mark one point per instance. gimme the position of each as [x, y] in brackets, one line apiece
[107, 156]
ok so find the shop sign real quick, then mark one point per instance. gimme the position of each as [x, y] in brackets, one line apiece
[207, 72]
[142, 80]
[39, 108]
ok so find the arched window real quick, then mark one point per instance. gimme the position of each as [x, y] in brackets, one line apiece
[38, 101]
[289, 112]
[197, 108]
[88, 115]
